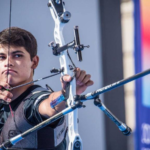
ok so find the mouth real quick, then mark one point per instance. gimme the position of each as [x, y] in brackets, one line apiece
[9, 71]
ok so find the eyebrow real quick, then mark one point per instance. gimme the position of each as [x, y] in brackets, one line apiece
[2, 53]
[17, 51]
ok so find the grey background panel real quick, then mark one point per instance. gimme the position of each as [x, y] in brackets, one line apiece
[35, 17]
[113, 70]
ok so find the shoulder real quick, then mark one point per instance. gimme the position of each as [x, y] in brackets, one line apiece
[36, 95]
[32, 102]
[39, 92]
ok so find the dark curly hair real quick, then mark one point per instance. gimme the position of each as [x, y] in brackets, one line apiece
[19, 37]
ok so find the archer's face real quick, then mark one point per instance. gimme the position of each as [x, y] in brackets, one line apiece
[17, 68]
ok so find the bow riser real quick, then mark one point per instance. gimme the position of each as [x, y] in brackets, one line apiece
[74, 137]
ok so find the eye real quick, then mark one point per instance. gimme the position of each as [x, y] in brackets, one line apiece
[18, 55]
[2, 57]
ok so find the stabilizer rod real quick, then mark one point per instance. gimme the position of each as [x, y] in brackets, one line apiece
[92, 95]
[122, 127]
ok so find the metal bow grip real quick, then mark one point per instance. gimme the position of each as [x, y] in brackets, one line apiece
[77, 43]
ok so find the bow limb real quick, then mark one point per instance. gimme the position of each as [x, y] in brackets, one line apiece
[75, 141]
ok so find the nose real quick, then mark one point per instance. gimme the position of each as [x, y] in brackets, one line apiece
[8, 65]
[8, 62]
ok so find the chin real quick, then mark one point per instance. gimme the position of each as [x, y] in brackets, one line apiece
[13, 83]
[16, 83]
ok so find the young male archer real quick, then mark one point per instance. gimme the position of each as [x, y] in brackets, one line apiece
[30, 104]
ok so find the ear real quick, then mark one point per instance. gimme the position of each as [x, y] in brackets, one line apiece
[35, 61]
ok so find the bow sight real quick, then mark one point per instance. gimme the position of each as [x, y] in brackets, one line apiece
[64, 17]
[75, 44]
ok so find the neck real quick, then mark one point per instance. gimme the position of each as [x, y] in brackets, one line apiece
[18, 91]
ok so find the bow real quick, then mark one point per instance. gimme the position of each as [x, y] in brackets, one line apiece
[61, 17]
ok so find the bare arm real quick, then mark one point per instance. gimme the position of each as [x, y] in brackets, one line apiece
[45, 108]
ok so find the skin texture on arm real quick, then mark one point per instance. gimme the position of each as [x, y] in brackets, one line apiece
[45, 108]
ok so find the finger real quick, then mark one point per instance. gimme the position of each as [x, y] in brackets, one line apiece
[65, 78]
[6, 93]
[89, 83]
[5, 98]
[78, 71]
[86, 79]
[81, 77]
[5, 85]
